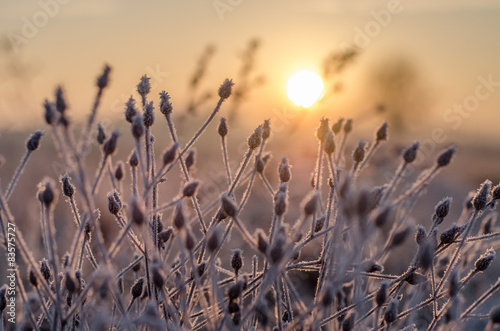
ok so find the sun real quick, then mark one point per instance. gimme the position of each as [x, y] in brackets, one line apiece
[304, 88]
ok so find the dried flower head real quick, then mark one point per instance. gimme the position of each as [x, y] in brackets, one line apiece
[133, 161]
[280, 203]
[484, 261]
[421, 235]
[190, 159]
[255, 138]
[119, 171]
[391, 311]
[137, 288]
[109, 146]
[449, 235]
[481, 197]
[329, 143]
[320, 223]
[223, 130]
[443, 207]
[45, 270]
[266, 129]
[311, 204]
[337, 126]
[322, 129]
[348, 126]
[137, 208]
[237, 260]
[61, 104]
[113, 205]
[278, 249]
[149, 115]
[144, 86]
[67, 187]
[32, 278]
[225, 89]
[101, 134]
[70, 283]
[179, 220]
[190, 188]
[213, 240]
[130, 110]
[190, 242]
[381, 134]
[381, 296]
[359, 153]
[228, 206]
[47, 193]
[34, 141]
[157, 275]
[410, 152]
[165, 103]
[103, 80]
[137, 127]
[383, 216]
[284, 170]
[496, 192]
[50, 112]
[164, 236]
[445, 157]
[262, 242]
[170, 154]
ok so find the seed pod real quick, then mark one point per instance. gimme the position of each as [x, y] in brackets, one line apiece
[262, 243]
[190, 243]
[255, 138]
[400, 237]
[383, 216]
[310, 205]
[179, 220]
[410, 152]
[449, 235]
[337, 126]
[228, 206]
[101, 135]
[359, 153]
[484, 261]
[158, 276]
[67, 187]
[144, 86]
[149, 115]
[136, 289]
[421, 235]
[235, 290]
[137, 211]
[236, 260]
[47, 194]
[320, 223]
[415, 278]
[233, 307]
[190, 188]
[391, 311]
[190, 158]
[381, 134]
[223, 129]
[348, 323]
[50, 113]
[109, 146]
[327, 299]
[443, 207]
[130, 110]
[113, 205]
[322, 129]
[170, 154]
[487, 225]
[200, 269]
[329, 143]
[284, 170]
[164, 236]
[348, 126]
[266, 129]
[119, 171]
[133, 160]
[445, 157]
[213, 241]
[481, 197]
[60, 101]
[280, 203]
[165, 104]
[34, 141]
[3, 298]
[33, 279]
[494, 315]
[70, 283]
[137, 127]
[381, 294]
[103, 80]
[225, 89]
[259, 164]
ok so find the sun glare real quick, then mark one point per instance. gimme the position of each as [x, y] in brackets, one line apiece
[304, 88]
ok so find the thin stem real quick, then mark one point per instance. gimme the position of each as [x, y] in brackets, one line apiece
[17, 174]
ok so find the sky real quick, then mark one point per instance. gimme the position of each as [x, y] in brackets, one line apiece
[449, 49]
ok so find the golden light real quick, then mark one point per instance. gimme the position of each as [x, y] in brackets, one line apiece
[304, 88]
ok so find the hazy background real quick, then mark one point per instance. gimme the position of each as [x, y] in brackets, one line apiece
[438, 50]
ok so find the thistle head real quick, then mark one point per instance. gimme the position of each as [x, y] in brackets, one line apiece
[225, 89]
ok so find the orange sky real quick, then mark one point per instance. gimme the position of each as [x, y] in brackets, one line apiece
[453, 45]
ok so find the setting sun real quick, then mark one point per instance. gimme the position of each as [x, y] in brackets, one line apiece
[304, 88]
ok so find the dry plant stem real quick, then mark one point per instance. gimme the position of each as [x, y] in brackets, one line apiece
[419, 185]
[17, 174]
[456, 254]
[24, 299]
[142, 165]
[44, 308]
[133, 171]
[118, 241]
[112, 176]
[186, 174]
[394, 182]
[99, 174]
[225, 159]
[267, 184]
[197, 134]
[90, 123]
[53, 261]
[369, 155]
[248, 191]
[495, 287]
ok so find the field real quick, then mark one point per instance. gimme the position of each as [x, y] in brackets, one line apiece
[170, 222]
